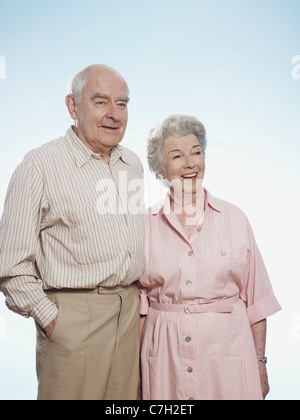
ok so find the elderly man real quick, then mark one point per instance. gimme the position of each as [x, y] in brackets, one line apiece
[68, 263]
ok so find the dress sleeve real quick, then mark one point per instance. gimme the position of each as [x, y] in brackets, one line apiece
[257, 292]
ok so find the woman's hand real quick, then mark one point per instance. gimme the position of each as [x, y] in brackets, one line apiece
[259, 332]
[264, 379]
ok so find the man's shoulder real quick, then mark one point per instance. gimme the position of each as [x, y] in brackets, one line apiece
[129, 155]
[45, 150]
[132, 159]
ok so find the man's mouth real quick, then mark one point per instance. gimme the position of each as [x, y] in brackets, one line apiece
[106, 127]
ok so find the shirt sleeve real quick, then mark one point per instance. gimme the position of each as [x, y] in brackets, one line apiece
[257, 293]
[19, 245]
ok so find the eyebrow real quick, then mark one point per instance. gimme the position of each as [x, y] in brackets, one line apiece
[173, 151]
[178, 150]
[99, 95]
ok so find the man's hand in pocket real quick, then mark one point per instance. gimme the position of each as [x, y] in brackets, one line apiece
[49, 329]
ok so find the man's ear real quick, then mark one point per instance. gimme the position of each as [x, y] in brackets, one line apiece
[71, 105]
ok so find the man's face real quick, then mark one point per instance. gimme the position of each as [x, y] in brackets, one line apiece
[102, 112]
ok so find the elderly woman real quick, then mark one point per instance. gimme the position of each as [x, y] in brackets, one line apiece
[205, 291]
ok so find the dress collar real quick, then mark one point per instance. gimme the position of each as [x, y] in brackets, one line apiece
[164, 207]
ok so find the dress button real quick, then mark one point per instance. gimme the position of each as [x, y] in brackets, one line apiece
[188, 339]
[190, 369]
[189, 283]
[190, 253]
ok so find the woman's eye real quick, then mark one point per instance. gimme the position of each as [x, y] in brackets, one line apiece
[197, 152]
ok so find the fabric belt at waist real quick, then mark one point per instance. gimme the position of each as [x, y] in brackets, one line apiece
[98, 290]
[220, 306]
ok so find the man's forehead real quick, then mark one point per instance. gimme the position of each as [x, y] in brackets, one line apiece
[104, 75]
[101, 95]
[106, 83]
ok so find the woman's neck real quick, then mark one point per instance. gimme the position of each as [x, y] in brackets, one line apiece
[188, 206]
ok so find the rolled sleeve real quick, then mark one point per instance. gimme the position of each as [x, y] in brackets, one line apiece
[258, 294]
[263, 309]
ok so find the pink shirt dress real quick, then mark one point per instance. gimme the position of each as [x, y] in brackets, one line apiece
[201, 295]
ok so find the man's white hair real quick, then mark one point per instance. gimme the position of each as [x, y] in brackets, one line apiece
[79, 79]
[77, 83]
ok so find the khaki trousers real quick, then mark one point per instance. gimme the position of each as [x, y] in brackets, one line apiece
[93, 352]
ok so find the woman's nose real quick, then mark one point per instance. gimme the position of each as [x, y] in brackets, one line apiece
[189, 162]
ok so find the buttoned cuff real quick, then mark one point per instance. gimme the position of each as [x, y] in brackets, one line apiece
[45, 312]
[262, 309]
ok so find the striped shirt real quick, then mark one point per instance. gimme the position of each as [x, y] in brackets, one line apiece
[66, 224]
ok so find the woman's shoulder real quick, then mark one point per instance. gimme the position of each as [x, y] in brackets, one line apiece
[224, 207]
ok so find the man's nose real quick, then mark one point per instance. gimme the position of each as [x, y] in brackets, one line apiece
[113, 112]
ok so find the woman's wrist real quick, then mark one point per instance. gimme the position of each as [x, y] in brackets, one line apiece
[262, 359]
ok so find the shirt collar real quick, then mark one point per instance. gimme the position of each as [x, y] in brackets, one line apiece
[164, 207]
[82, 154]
[212, 202]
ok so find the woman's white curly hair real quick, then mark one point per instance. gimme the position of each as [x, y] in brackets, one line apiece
[175, 126]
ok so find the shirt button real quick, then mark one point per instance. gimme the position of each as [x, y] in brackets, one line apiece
[188, 339]
[191, 398]
[223, 253]
[95, 156]
[189, 283]
[199, 229]
[190, 369]
[190, 253]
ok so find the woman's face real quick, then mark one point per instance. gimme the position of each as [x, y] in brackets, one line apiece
[183, 161]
